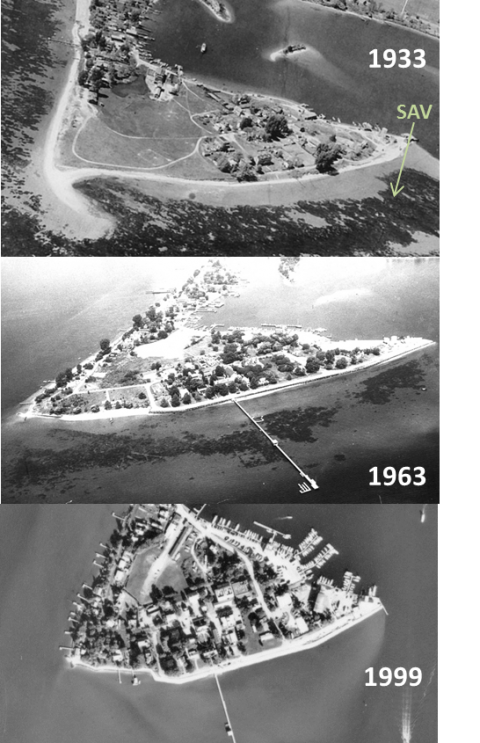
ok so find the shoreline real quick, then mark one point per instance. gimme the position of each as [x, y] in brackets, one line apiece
[385, 21]
[223, 7]
[280, 387]
[306, 642]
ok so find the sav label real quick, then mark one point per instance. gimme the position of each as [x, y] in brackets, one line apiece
[413, 111]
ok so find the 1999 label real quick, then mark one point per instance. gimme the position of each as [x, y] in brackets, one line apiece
[399, 676]
[404, 476]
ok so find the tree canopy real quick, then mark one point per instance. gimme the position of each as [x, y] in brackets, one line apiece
[326, 155]
[276, 126]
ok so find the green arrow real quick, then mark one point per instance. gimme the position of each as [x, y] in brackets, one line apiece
[397, 190]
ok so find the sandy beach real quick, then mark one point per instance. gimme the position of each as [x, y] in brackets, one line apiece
[56, 176]
[304, 642]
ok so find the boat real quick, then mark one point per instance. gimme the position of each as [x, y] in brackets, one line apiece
[423, 514]
[203, 48]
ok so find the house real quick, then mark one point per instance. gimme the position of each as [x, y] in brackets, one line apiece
[224, 593]
[265, 637]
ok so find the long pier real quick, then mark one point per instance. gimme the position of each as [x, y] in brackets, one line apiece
[275, 443]
[228, 726]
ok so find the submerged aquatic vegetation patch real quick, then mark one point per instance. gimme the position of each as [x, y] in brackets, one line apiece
[297, 425]
[380, 388]
[87, 450]
[146, 225]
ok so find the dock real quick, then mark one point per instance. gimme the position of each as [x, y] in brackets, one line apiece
[275, 443]
[273, 532]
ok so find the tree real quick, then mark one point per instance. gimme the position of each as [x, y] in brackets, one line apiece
[108, 405]
[186, 399]
[137, 321]
[326, 155]
[341, 363]
[79, 368]
[82, 77]
[60, 380]
[151, 314]
[276, 126]
[245, 122]
[105, 345]
[245, 172]
[175, 401]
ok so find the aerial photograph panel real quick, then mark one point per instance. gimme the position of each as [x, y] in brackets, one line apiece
[231, 379]
[262, 623]
[244, 127]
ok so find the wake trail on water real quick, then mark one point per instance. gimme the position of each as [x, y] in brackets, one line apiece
[408, 720]
[343, 295]
[422, 700]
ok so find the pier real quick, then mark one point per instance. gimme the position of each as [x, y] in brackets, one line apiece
[273, 532]
[228, 724]
[275, 443]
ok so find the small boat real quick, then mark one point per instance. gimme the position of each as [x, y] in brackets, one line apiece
[423, 514]
[203, 48]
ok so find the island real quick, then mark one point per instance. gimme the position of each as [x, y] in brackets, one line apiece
[181, 597]
[219, 10]
[124, 114]
[171, 360]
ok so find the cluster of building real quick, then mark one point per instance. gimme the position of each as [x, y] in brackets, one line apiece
[230, 593]
[267, 147]
[111, 50]
[163, 80]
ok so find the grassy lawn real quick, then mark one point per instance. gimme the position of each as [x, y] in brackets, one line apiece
[139, 571]
[172, 576]
[134, 131]
[140, 116]
[126, 372]
[130, 394]
[97, 143]
[197, 167]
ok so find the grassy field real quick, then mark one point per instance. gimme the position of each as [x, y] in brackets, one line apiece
[197, 167]
[129, 394]
[139, 571]
[126, 372]
[172, 576]
[131, 130]
[139, 116]
[98, 144]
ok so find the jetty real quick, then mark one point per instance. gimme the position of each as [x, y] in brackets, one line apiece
[275, 443]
